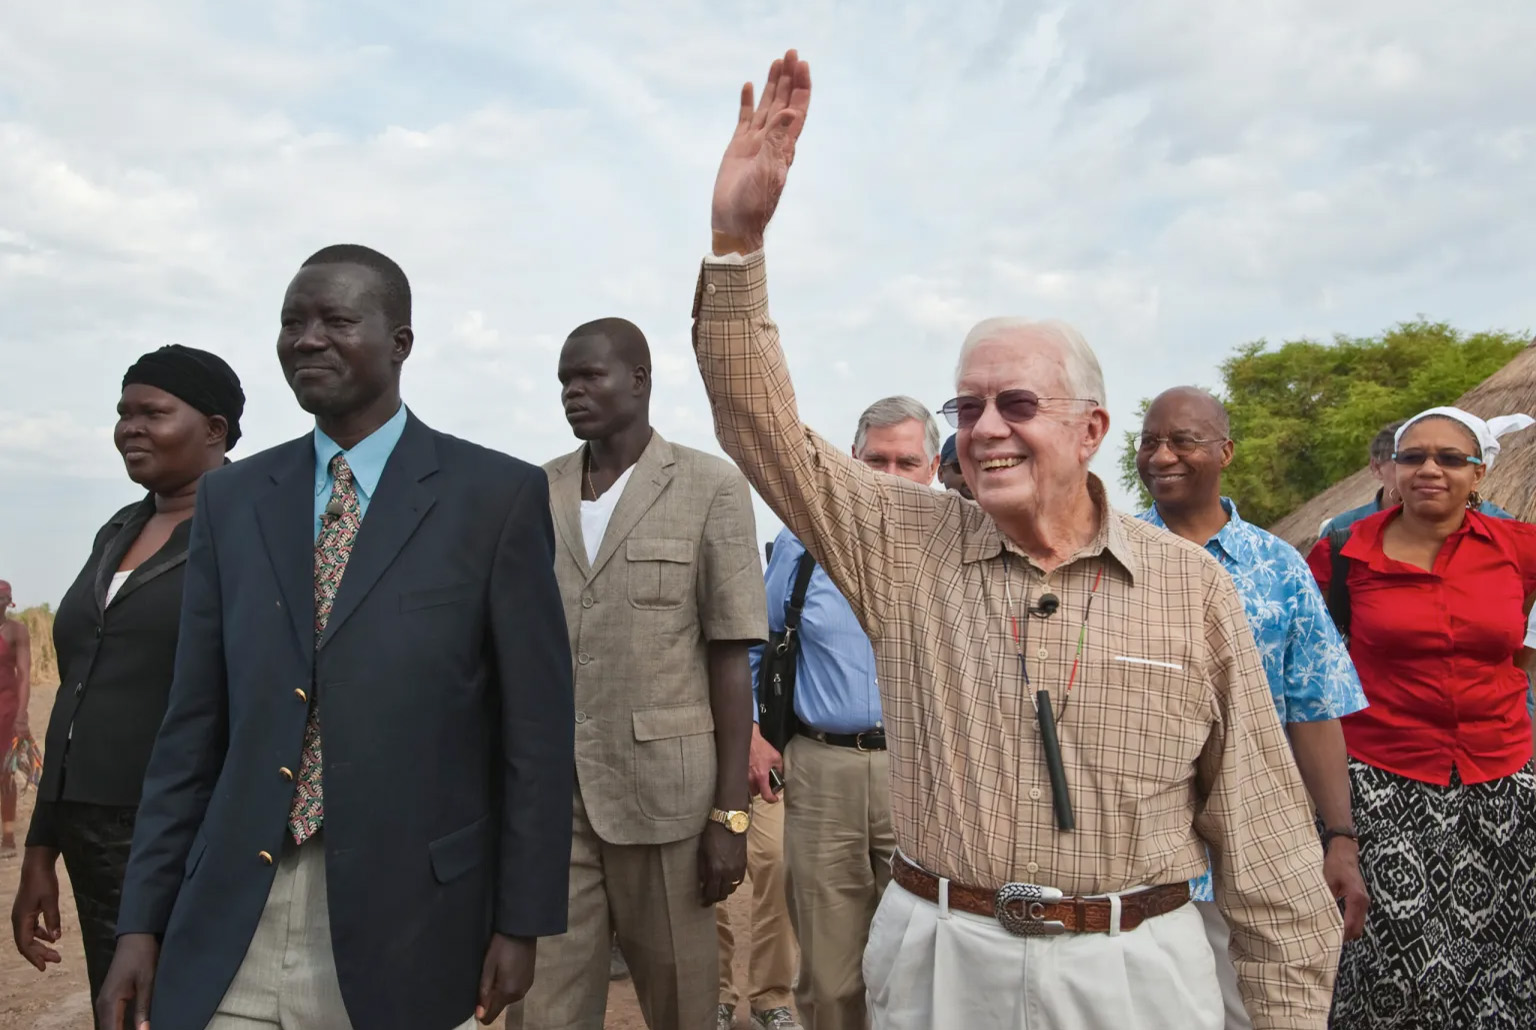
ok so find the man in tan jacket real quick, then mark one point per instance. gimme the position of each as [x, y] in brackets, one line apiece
[657, 562]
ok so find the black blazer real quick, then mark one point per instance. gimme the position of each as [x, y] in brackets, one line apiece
[443, 681]
[115, 666]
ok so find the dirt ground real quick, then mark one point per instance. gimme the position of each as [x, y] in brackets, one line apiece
[60, 998]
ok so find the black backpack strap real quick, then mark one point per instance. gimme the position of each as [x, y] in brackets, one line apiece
[796, 606]
[1338, 578]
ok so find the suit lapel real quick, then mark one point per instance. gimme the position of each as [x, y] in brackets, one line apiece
[395, 510]
[112, 555]
[652, 474]
[565, 506]
[286, 516]
[174, 553]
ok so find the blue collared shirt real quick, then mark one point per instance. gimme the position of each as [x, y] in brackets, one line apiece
[835, 688]
[366, 459]
[1305, 661]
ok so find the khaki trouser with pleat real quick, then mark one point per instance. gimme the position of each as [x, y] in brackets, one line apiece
[838, 842]
[771, 968]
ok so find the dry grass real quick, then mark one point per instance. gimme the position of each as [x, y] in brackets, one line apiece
[45, 664]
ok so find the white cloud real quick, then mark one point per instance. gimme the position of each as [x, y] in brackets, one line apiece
[1174, 178]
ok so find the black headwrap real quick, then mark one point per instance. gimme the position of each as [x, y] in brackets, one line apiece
[201, 379]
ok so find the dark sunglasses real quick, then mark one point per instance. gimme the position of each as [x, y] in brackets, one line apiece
[1445, 459]
[1014, 405]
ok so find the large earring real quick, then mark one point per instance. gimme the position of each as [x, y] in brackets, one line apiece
[1474, 500]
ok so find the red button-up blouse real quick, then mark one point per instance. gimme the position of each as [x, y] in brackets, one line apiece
[1435, 650]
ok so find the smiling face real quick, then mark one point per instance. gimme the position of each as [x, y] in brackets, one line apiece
[165, 442]
[899, 450]
[1014, 468]
[339, 352]
[1182, 450]
[1429, 491]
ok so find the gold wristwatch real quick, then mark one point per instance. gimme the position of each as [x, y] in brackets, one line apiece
[736, 822]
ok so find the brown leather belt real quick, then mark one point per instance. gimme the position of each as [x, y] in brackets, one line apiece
[1027, 910]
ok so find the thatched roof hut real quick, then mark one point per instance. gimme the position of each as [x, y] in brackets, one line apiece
[1511, 484]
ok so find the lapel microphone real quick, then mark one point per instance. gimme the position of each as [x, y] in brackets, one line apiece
[1046, 606]
[333, 512]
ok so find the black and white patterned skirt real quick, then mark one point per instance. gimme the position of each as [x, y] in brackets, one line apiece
[1450, 939]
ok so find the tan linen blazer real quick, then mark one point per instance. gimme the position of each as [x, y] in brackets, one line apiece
[678, 568]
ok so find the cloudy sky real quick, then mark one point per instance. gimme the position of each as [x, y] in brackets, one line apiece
[1175, 178]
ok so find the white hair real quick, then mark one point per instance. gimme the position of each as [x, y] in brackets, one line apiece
[893, 411]
[1085, 380]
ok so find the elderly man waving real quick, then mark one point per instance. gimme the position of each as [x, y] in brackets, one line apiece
[1074, 706]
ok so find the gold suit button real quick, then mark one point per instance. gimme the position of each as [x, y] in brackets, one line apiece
[286, 773]
[265, 856]
[301, 696]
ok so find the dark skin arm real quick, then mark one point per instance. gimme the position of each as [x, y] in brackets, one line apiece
[723, 854]
[21, 642]
[1324, 767]
[37, 898]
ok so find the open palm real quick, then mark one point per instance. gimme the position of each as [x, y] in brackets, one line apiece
[756, 163]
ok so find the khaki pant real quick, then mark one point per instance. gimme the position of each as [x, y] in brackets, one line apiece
[931, 970]
[771, 968]
[838, 842]
[288, 977]
[648, 897]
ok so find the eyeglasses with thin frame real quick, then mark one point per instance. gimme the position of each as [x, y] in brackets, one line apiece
[1015, 406]
[1445, 459]
[1182, 444]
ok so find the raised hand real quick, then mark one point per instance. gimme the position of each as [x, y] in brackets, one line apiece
[756, 163]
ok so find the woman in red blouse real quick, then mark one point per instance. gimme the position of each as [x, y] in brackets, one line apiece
[1440, 763]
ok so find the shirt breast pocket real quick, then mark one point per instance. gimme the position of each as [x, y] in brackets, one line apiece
[660, 573]
[1149, 726]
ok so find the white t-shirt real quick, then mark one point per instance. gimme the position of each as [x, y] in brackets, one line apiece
[118, 579]
[595, 515]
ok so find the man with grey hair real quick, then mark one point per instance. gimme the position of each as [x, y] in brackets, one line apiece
[1075, 707]
[838, 840]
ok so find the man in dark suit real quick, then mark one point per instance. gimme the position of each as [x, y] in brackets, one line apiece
[358, 809]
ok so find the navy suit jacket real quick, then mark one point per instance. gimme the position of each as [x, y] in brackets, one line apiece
[443, 681]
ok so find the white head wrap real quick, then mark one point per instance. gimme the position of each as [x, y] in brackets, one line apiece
[1487, 433]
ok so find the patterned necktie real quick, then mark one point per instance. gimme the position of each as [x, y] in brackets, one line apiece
[337, 533]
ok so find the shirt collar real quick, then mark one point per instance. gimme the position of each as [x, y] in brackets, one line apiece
[987, 541]
[367, 457]
[1235, 538]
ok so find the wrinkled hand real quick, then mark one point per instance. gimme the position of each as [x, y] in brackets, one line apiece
[761, 758]
[1341, 868]
[35, 913]
[722, 863]
[131, 980]
[756, 163]
[506, 975]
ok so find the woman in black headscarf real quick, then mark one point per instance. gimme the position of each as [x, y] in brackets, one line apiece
[115, 633]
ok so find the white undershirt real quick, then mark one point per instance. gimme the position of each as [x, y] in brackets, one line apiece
[118, 579]
[595, 515]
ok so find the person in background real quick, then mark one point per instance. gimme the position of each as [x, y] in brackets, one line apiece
[837, 796]
[951, 476]
[1440, 763]
[15, 693]
[115, 634]
[1185, 444]
[1042, 876]
[1386, 495]
[774, 952]
[657, 562]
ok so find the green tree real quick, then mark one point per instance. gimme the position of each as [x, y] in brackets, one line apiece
[1303, 413]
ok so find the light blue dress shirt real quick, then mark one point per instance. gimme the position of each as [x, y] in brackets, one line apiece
[835, 688]
[366, 459]
[1310, 674]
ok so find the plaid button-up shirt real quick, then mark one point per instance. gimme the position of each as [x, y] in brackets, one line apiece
[1170, 739]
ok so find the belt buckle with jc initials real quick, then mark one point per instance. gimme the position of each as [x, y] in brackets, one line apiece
[1020, 909]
